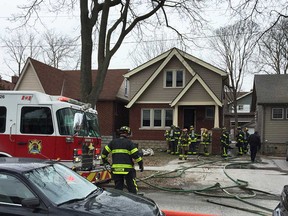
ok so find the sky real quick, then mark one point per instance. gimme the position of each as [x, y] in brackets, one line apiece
[69, 24]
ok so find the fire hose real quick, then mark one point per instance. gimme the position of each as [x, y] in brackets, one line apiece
[208, 191]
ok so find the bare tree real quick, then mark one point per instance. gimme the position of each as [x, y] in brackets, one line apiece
[147, 50]
[19, 47]
[112, 30]
[273, 49]
[235, 45]
[261, 10]
[57, 49]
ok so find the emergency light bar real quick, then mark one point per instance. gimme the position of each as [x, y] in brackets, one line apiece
[75, 102]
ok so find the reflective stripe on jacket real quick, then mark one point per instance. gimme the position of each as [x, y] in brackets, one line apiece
[123, 151]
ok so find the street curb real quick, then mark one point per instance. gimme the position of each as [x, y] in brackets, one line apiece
[177, 213]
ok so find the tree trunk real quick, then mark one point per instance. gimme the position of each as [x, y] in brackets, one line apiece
[86, 53]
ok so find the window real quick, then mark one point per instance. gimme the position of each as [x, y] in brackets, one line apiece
[36, 120]
[157, 118]
[168, 118]
[3, 113]
[240, 107]
[174, 79]
[169, 78]
[12, 190]
[209, 112]
[179, 78]
[277, 113]
[146, 118]
[287, 113]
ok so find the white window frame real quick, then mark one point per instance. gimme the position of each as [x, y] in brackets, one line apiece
[282, 113]
[174, 78]
[163, 118]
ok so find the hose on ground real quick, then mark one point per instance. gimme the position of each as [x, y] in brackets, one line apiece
[243, 185]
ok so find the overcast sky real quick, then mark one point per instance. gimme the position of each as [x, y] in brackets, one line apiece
[69, 24]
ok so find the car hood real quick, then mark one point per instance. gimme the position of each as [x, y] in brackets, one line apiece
[115, 202]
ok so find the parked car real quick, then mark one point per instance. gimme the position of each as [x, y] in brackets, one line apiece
[40, 187]
[282, 207]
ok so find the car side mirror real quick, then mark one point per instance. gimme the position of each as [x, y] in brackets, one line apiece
[30, 202]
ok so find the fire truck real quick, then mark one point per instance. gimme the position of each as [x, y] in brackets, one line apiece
[37, 125]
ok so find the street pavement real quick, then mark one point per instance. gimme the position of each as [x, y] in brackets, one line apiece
[267, 175]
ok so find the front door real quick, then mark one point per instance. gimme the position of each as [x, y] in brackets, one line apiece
[189, 117]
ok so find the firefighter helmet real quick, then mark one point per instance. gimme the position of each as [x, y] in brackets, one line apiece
[125, 130]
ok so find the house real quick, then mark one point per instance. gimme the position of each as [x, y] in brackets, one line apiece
[270, 102]
[246, 118]
[6, 85]
[175, 88]
[111, 109]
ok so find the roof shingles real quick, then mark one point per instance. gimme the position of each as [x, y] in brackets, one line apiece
[67, 83]
[271, 89]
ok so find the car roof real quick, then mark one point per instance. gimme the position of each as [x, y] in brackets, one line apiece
[22, 164]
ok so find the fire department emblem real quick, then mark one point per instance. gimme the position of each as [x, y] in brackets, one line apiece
[35, 146]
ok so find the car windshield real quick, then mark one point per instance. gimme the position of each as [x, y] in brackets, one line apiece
[60, 184]
[88, 120]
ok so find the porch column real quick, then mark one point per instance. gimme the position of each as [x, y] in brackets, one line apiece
[175, 115]
[216, 117]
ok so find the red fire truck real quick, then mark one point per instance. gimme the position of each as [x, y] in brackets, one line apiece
[37, 125]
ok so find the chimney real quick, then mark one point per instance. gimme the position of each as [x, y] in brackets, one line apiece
[15, 79]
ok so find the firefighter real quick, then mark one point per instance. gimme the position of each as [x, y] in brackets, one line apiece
[172, 139]
[177, 133]
[246, 138]
[225, 141]
[193, 145]
[167, 138]
[124, 154]
[240, 140]
[183, 143]
[206, 140]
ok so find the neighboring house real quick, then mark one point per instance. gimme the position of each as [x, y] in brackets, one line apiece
[246, 118]
[111, 109]
[6, 85]
[174, 88]
[270, 102]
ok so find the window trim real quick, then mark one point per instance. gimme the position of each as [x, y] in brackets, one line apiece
[174, 78]
[152, 119]
[278, 108]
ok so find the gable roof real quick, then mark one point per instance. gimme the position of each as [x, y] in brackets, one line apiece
[181, 55]
[166, 57]
[271, 89]
[240, 95]
[67, 82]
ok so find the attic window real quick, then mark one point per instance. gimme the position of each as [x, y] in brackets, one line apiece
[277, 113]
[174, 79]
